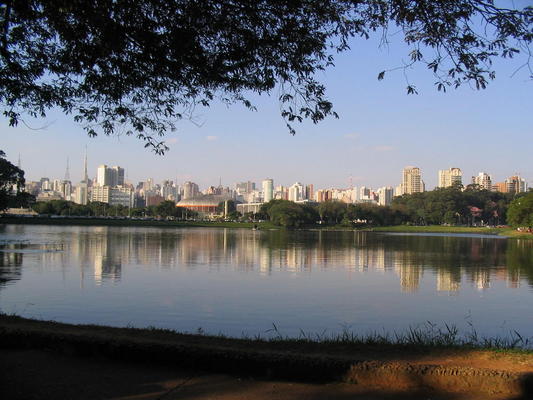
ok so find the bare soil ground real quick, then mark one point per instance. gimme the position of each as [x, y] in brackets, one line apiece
[48, 360]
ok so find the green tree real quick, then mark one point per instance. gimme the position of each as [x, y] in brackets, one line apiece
[520, 212]
[166, 209]
[287, 214]
[137, 66]
[11, 183]
[332, 211]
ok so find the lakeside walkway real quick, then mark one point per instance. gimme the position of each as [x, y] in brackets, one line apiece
[45, 360]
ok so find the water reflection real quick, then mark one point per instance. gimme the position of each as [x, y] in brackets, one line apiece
[102, 253]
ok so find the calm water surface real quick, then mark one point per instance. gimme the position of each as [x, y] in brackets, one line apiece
[235, 281]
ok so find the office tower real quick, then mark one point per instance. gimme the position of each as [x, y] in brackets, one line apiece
[450, 177]
[412, 181]
[117, 175]
[268, 190]
[190, 190]
[310, 192]
[483, 180]
[385, 195]
[113, 176]
[245, 187]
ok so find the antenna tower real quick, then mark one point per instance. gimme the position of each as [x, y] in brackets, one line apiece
[67, 172]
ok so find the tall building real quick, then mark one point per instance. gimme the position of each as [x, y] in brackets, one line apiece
[385, 195]
[190, 190]
[309, 192]
[483, 180]
[364, 193]
[110, 176]
[450, 177]
[412, 181]
[513, 184]
[268, 190]
[516, 184]
[245, 187]
[113, 196]
[296, 192]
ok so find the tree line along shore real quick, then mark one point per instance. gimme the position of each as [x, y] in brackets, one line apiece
[453, 209]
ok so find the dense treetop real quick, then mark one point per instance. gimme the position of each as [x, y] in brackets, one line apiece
[139, 66]
[11, 184]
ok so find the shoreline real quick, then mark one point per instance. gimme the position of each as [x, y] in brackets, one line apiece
[444, 368]
[507, 232]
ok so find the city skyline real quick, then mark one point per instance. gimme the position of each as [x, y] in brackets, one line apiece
[103, 171]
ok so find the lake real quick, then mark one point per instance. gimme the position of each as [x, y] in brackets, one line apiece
[243, 282]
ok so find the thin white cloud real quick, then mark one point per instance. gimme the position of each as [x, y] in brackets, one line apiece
[384, 148]
[211, 138]
[172, 140]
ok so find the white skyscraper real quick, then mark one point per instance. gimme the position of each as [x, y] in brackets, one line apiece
[268, 190]
[296, 192]
[113, 176]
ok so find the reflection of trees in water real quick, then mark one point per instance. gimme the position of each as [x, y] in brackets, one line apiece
[520, 260]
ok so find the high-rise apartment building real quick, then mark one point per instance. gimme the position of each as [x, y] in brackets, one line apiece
[513, 184]
[450, 177]
[110, 176]
[296, 192]
[364, 193]
[412, 181]
[483, 180]
[268, 190]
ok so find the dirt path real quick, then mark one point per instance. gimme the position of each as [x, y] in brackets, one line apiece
[44, 375]
[48, 360]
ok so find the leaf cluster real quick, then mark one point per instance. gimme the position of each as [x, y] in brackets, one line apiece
[137, 67]
[11, 183]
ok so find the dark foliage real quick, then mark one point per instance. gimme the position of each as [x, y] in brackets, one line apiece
[138, 66]
[11, 185]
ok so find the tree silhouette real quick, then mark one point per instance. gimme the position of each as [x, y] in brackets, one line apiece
[138, 66]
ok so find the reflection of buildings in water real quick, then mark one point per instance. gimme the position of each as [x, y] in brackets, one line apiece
[481, 279]
[102, 252]
[410, 276]
[409, 268]
[265, 261]
[447, 282]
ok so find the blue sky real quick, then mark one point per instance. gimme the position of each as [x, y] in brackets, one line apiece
[381, 129]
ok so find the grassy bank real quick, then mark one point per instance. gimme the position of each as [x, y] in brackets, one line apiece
[509, 232]
[426, 338]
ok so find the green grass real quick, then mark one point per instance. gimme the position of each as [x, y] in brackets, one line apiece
[454, 229]
[421, 338]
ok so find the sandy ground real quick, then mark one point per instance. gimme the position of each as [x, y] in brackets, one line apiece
[38, 374]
